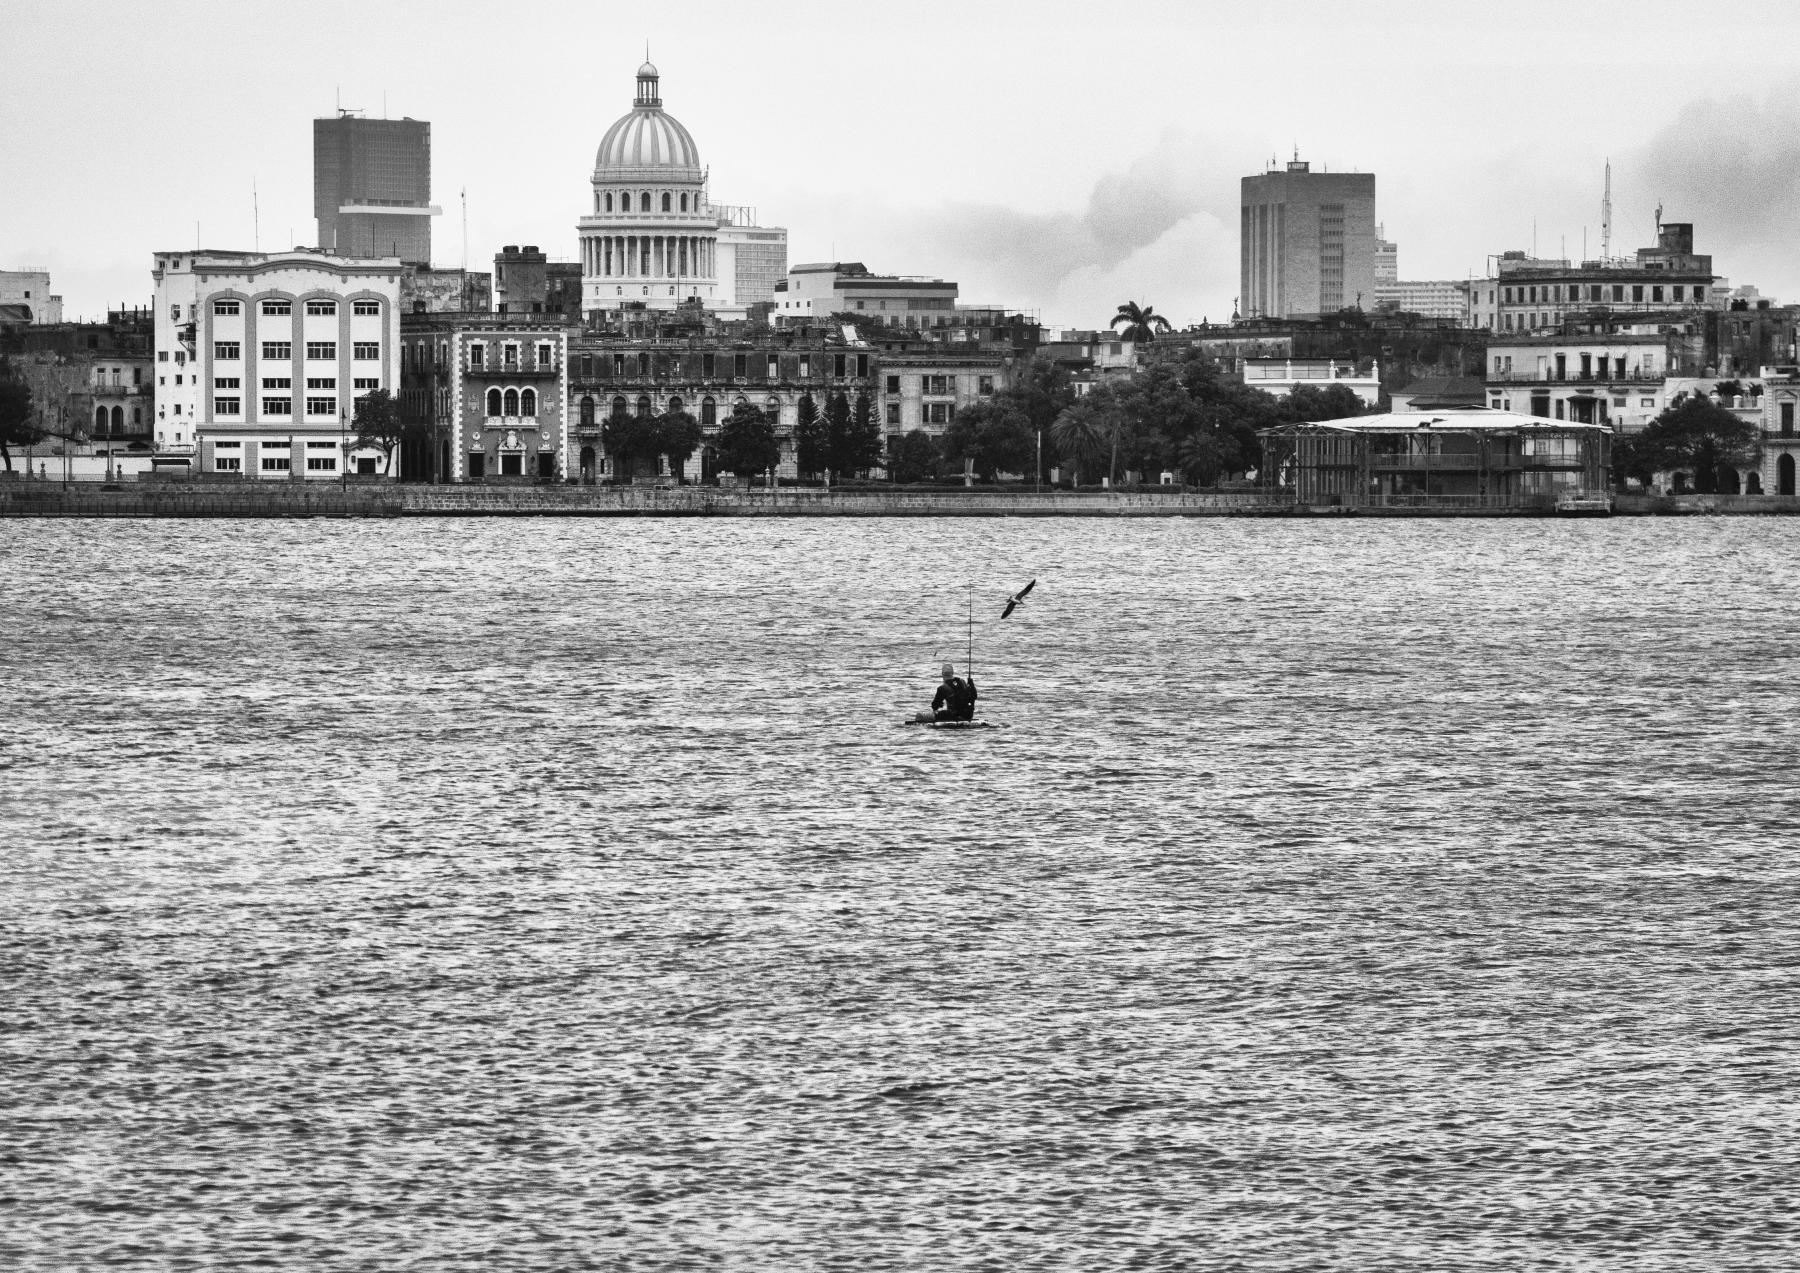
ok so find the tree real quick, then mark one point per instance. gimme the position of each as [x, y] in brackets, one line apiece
[628, 439]
[1697, 436]
[914, 457]
[996, 436]
[861, 447]
[811, 451]
[675, 434]
[1142, 323]
[1306, 403]
[837, 429]
[16, 427]
[1086, 432]
[747, 442]
[380, 424]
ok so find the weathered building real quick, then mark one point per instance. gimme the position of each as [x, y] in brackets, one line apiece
[1669, 278]
[491, 391]
[1307, 242]
[526, 281]
[372, 187]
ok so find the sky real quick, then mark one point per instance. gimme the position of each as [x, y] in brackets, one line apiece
[1053, 157]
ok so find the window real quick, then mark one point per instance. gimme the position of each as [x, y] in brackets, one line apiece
[228, 406]
[665, 201]
[543, 355]
[643, 364]
[893, 413]
[774, 367]
[684, 206]
[493, 402]
[321, 463]
[512, 402]
[618, 408]
[226, 309]
[624, 201]
[226, 382]
[364, 383]
[363, 351]
[366, 309]
[587, 411]
[618, 364]
[937, 413]
[277, 382]
[321, 350]
[893, 384]
[175, 312]
[643, 407]
[806, 366]
[228, 464]
[277, 309]
[277, 350]
[608, 202]
[708, 365]
[276, 464]
[321, 406]
[1676, 292]
[1656, 292]
[321, 446]
[1637, 292]
[477, 354]
[178, 379]
[1646, 402]
[740, 366]
[321, 382]
[278, 406]
[709, 410]
[321, 309]
[512, 356]
[162, 355]
[987, 384]
[1787, 419]
[528, 403]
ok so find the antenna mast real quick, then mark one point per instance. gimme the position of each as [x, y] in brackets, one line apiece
[1606, 215]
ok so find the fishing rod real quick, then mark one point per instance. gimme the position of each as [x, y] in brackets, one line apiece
[969, 667]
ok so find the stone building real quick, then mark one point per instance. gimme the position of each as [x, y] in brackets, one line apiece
[653, 236]
[526, 281]
[1669, 278]
[492, 390]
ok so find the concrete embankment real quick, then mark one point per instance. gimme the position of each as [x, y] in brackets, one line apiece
[171, 499]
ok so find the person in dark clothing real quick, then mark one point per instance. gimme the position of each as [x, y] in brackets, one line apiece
[955, 697]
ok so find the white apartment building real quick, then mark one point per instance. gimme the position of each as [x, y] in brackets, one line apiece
[1430, 298]
[1281, 376]
[30, 287]
[824, 288]
[260, 358]
[1617, 379]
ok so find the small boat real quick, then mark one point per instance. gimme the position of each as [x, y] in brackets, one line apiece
[1584, 504]
[929, 723]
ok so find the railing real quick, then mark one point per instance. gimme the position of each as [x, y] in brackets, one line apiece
[494, 368]
[1634, 376]
[1454, 461]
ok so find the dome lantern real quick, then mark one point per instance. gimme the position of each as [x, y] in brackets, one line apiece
[647, 94]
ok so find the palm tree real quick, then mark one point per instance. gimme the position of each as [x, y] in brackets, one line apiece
[1086, 432]
[1141, 322]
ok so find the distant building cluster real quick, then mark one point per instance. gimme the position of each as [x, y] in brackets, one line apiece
[251, 365]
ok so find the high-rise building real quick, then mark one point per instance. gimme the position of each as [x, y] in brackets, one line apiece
[1308, 242]
[1387, 258]
[372, 187]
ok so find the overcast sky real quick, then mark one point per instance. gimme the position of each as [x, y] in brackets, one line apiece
[1050, 156]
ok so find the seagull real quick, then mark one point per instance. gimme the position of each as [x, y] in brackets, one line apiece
[1013, 602]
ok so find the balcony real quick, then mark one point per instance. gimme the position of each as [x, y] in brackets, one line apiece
[1459, 460]
[1632, 376]
[527, 370]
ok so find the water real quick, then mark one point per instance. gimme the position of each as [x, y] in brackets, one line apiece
[541, 895]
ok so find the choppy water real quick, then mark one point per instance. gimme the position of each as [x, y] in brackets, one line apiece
[543, 895]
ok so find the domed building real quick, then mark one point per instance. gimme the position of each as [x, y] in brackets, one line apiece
[653, 235]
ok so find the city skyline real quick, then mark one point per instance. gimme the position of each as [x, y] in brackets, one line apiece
[1049, 158]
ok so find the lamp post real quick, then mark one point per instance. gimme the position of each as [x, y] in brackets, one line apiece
[343, 451]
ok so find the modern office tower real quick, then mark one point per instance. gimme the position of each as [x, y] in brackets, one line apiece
[1308, 242]
[372, 187]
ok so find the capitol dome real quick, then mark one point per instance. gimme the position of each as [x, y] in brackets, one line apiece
[647, 142]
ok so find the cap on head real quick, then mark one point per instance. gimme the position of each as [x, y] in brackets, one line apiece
[949, 670]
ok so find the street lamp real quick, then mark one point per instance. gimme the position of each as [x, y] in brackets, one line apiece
[343, 451]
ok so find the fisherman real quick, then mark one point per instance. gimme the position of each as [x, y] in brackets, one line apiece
[955, 697]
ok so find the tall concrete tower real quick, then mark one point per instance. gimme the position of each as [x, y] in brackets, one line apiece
[372, 187]
[1307, 242]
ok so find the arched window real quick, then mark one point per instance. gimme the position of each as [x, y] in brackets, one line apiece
[644, 201]
[512, 402]
[643, 406]
[674, 406]
[709, 412]
[609, 201]
[99, 417]
[625, 201]
[137, 415]
[684, 203]
[493, 402]
[740, 405]
[528, 403]
[618, 407]
[665, 201]
[587, 410]
[118, 419]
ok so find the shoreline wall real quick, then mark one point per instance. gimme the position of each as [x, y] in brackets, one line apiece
[294, 499]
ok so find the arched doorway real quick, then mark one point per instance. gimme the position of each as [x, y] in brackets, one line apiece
[1753, 484]
[1728, 480]
[1784, 475]
[587, 466]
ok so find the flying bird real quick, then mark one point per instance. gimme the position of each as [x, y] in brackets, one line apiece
[1013, 602]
